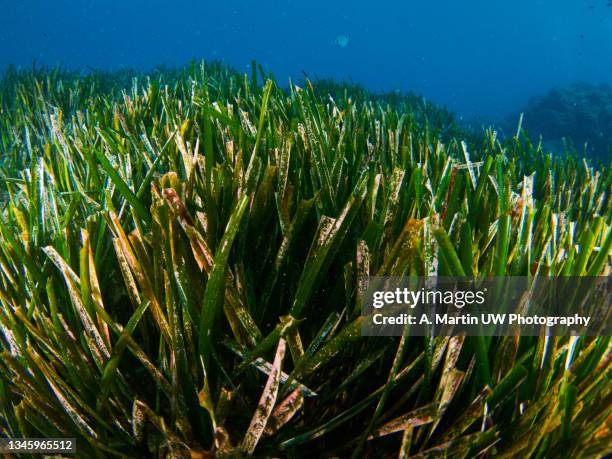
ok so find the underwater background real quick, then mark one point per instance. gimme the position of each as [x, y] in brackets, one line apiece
[483, 60]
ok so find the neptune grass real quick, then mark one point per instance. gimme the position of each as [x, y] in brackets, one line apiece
[181, 255]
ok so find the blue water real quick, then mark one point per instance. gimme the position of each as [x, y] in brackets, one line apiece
[476, 57]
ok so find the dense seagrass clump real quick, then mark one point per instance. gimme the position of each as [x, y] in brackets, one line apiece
[181, 256]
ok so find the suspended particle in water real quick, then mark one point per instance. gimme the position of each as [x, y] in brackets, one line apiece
[342, 41]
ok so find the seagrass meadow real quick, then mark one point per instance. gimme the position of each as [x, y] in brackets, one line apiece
[181, 256]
